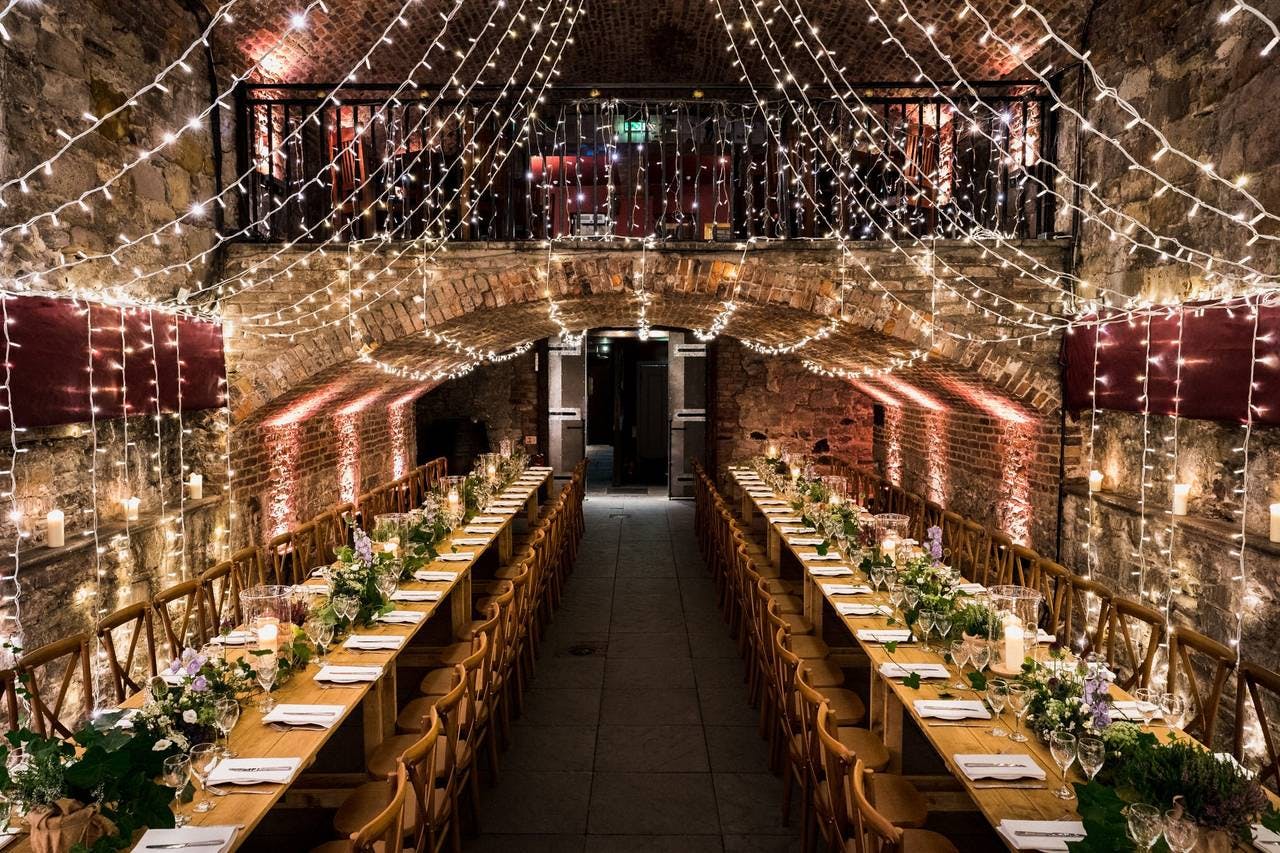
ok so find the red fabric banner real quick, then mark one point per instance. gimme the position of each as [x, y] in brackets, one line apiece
[1217, 345]
[50, 361]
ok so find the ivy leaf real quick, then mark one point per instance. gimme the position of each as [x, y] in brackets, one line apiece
[945, 694]
[822, 548]
[912, 681]
[978, 680]
[891, 646]
[1271, 820]
[1100, 809]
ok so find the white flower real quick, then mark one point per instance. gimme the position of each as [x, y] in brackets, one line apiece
[162, 745]
[189, 716]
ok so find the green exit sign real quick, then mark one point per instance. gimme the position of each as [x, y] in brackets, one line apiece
[636, 129]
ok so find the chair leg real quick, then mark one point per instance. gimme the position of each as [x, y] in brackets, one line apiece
[788, 781]
[492, 738]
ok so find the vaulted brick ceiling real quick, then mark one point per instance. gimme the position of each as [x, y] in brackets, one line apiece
[643, 43]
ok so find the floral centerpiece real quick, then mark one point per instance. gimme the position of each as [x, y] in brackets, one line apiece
[1223, 798]
[91, 793]
[1066, 694]
[354, 576]
[180, 710]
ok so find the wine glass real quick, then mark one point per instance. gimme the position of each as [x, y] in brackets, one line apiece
[896, 594]
[1019, 697]
[1180, 833]
[203, 758]
[997, 695]
[320, 633]
[266, 668]
[174, 775]
[1062, 746]
[226, 714]
[6, 812]
[924, 622]
[1091, 754]
[1174, 708]
[911, 595]
[980, 654]
[960, 656]
[942, 624]
[386, 581]
[1145, 824]
[1148, 702]
[877, 576]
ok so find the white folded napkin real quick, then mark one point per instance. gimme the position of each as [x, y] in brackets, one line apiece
[487, 519]
[806, 540]
[402, 617]
[434, 575]
[234, 638]
[831, 556]
[545, 469]
[348, 674]
[853, 608]
[845, 588]
[456, 557]
[514, 496]
[253, 771]
[830, 571]
[1043, 636]
[305, 715]
[375, 642]
[952, 709]
[163, 839]
[889, 669]
[791, 529]
[978, 766]
[971, 588]
[1127, 709]
[884, 635]
[513, 502]
[471, 540]
[772, 502]
[417, 595]
[480, 528]
[1265, 839]
[1048, 835]
[314, 588]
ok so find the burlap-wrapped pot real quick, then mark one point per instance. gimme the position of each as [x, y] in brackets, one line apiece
[66, 823]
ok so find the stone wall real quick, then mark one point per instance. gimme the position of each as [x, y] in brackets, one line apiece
[503, 397]
[760, 398]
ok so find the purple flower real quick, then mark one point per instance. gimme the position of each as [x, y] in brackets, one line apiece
[363, 547]
[200, 685]
[1096, 697]
[175, 666]
[934, 535]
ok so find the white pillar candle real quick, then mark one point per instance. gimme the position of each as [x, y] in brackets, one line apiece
[1275, 522]
[1180, 493]
[391, 546]
[1015, 649]
[57, 535]
[795, 472]
[453, 497]
[131, 506]
[772, 452]
[1095, 481]
[195, 487]
[269, 635]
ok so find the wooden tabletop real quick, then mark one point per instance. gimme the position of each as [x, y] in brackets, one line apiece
[251, 738]
[891, 699]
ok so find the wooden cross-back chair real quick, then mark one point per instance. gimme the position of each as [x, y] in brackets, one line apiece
[373, 504]
[129, 642]
[912, 506]
[9, 700]
[220, 587]
[998, 563]
[874, 833]
[1129, 640]
[385, 831]
[292, 555]
[58, 681]
[1258, 688]
[933, 513]
[332, 532]
[965, 542]
[1084, 614]
[179, 614]
[1053, 582]
[1204, 665]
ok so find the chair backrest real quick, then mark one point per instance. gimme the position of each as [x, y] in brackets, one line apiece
[1085, 614]
[385, 830]
[1022, 566]
[421, 762]
[1204, 665]
[837, 764]
[177, 614]
[9, 700]
[451, 711]
[997, 565]
[475, 681]
[59, 685]
[130, 647]
[869, 824]
[1053, 581]
[1131, 625]
[1258, 688]
[292, 555]
[808, 703]
[220, 587]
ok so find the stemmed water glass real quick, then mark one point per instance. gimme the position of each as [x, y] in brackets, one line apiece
[320, 633]
[997, 694]
[1174, 708]
[942, 624]
[911, 595]
[203, 758]
[924, 621]
[1148, 702]
[876, 574]
[1180, 833]
[266, 667]
[980, 654]
[1145, 824]
[1062, 746]
[1091, 754]
[387, 581]
[174, 775]
[960, 656]
[1018, 696]
[226, 714]
[897, 593]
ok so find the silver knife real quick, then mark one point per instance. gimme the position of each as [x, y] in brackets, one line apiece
[997, 764]
[264, 769]
[1029, 833]
[179, 845]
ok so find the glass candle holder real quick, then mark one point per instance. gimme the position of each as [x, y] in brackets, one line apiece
[1015, 618]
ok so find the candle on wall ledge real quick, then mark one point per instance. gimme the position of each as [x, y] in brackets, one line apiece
[57, 534]
[195, 487]
[1180, 493]
[772, 451]
[131, 507]
[1275, 522]
[1095, 481]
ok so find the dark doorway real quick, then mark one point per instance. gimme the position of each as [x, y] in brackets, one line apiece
[627, 404]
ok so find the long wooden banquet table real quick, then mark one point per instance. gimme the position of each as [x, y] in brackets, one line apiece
[247, 806]
[891, 701]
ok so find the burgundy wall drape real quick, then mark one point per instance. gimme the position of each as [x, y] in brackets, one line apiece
[1217, 346]
[49, 361]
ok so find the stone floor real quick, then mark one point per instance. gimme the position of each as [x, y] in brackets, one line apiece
[636, 735]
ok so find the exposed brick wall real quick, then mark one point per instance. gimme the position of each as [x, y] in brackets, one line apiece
[504, 397]
[759, 398]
